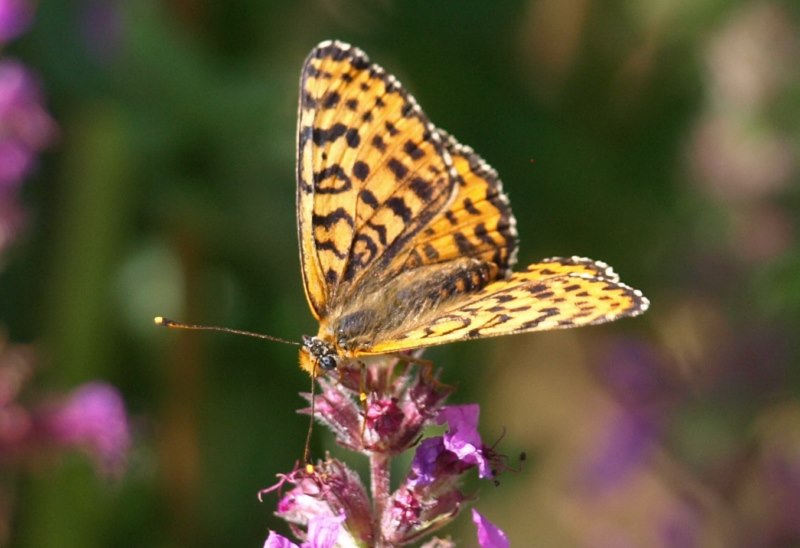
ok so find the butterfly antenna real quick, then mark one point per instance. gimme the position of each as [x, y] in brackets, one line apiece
[166, 322]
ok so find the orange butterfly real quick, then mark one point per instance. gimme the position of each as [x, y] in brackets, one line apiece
[406, 237]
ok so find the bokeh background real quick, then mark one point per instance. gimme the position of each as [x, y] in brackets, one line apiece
[662, 137]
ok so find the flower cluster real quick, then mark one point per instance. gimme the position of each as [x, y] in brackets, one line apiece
[380, 411]
[91, 418]
[36, 426]
[25, 125]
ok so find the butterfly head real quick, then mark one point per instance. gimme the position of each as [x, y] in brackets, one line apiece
[318, 356]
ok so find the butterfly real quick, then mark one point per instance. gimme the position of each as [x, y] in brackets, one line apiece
[406, 237]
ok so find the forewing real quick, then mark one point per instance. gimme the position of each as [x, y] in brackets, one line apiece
[371, 172]
[554, 294]
[477, 224]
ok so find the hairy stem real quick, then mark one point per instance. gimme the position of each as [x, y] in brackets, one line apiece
[379, 482]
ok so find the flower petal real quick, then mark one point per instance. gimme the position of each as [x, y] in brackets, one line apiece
[462, 437]
[424, 465]
[489, 535]
[274, 540]
[323, 531]
[93, 417]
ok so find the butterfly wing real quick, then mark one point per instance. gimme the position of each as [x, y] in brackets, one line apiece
[371, 172]
[477, 224]
[554, 294]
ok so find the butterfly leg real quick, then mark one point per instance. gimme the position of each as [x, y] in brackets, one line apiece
[362, 397]
[307, 448]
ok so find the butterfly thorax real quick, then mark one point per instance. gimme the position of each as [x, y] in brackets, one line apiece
[393, 306]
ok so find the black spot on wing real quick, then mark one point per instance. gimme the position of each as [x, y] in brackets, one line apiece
[337, 174]
[399, 208]
[321, 136]
[362, 252]
[331, 99]
[380, 230]
[482, 234]
[328, 245]
[464, 245]
[391, 128]
[352, 137]
[379, 143]
[422, 188]
[430, 252]
[470, 207]
[309, 101]
[359, 63]
[368, 198]
[327, 221]
[360, 170]
[411, 148]
[397, 168]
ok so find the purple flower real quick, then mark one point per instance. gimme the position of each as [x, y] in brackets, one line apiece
[322, 533]
[25, 126]
[459, 449]
[328, 493]
[381, 410]
[425, 466]
[628, 441]
[391, 420]
[15, 18]
[489, 535]
[462, 437]
[274, 540]
[92, 418]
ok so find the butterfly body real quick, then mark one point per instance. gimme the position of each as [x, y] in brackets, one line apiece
[404, 300]
[407, 239]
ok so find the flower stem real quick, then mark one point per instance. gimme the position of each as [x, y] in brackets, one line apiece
[379, 482]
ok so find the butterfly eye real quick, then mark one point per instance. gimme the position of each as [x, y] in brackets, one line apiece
[328, 362]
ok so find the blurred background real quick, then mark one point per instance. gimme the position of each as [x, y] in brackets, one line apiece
[147, 168]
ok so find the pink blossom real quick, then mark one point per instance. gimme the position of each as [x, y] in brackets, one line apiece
[25, 126]
[93, 418]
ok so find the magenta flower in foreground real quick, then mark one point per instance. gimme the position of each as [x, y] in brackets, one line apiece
[327, 505]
